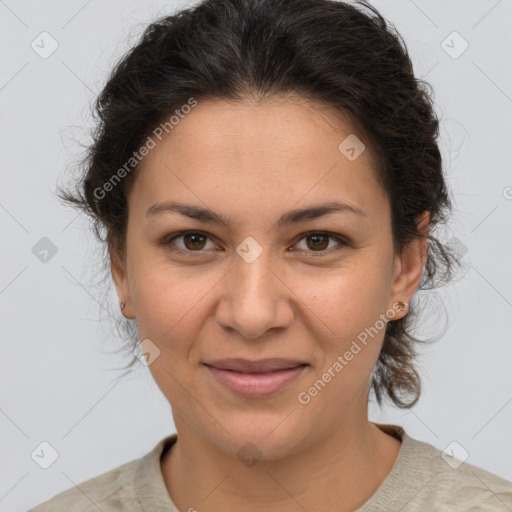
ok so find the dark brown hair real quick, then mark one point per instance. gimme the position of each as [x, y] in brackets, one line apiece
[340, 55]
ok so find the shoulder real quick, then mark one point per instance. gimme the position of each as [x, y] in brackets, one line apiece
[111, 491]
[427, 479]
[101, 492]
[449, 483]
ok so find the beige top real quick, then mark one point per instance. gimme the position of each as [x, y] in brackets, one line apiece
[421, 480]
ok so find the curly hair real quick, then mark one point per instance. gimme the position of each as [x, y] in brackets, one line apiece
[342, 55]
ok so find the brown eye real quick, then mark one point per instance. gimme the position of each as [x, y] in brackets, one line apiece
[188, 242]
[194, 241]
[319, 242]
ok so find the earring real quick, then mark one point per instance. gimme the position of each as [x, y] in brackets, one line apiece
[403, 305]
[122, 305]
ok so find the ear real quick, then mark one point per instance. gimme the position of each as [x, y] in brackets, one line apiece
[410, 264]
[120, 278]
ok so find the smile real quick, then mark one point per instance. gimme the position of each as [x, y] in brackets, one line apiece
[256, 384]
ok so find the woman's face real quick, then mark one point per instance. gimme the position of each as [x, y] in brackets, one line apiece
[261, 287]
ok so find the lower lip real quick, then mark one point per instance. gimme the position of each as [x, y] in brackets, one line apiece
[255, 385]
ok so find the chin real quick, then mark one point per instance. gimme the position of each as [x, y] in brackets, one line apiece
[261, 437]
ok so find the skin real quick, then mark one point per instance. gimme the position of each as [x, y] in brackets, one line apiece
[252, 162]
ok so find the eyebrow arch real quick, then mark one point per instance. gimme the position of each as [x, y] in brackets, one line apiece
[291, 217]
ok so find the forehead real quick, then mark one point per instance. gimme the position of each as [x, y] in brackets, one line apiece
[283, 150]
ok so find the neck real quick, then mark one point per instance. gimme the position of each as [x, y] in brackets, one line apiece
[351, 464]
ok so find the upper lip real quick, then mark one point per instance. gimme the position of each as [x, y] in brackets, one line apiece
[259, 366]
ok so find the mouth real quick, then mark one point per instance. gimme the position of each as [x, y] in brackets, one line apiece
[253, 379]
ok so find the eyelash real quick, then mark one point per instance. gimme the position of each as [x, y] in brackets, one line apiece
[167, 242]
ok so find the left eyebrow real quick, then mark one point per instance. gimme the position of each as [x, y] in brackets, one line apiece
[290, 217]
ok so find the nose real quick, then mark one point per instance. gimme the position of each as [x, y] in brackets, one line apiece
[255, 298]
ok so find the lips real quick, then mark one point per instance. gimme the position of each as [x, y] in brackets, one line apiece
[255, 379]
[261, 366]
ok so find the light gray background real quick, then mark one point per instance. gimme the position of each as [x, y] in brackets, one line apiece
[56, 385]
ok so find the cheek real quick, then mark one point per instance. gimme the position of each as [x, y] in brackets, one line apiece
[346, 321]
[169, 302]
[343, 302]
